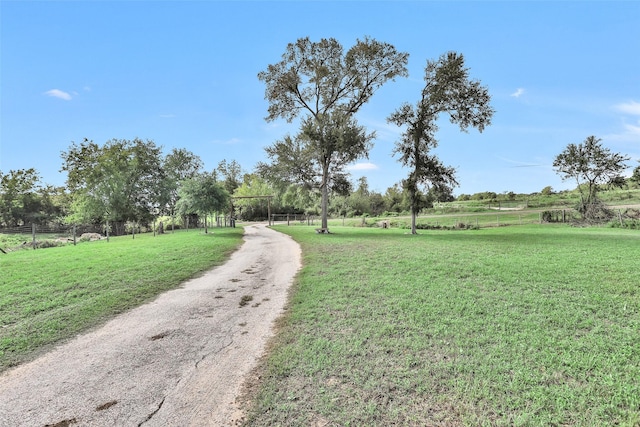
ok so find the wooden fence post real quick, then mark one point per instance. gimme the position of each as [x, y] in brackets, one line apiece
[620, 216]
[33, 233]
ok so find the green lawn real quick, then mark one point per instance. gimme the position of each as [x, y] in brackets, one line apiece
[48, 295]
[526, 325]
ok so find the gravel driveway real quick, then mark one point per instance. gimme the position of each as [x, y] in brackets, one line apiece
[177, 361]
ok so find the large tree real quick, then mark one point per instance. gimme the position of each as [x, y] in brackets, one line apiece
[231, 175]
[448, 90]
[590, 165]
[328, 85]
[19, 201]
[179, 165]
[119, 181]
[202, 195]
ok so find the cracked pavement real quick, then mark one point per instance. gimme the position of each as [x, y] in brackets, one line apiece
[179, 360]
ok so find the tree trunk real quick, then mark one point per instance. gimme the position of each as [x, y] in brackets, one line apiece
[413, 192]
[412, 197]
[325, 196]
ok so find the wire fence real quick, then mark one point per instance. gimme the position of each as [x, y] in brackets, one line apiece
[450, 221]
[296, 219]
[42, 236]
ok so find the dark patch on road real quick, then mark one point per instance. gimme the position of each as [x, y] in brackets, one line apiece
[246, 299]
[160, 335]
[106, 405]
[63, 423]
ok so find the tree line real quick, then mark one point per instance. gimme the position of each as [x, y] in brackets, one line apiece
[124, 181]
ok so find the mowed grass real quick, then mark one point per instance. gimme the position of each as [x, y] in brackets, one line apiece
[512, 326]
[48, 295]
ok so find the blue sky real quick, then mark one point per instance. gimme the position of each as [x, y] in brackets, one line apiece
[184, 74]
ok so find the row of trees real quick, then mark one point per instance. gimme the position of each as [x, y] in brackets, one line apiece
[324, 87]
[149, 185]
[125, 180]
[117, 182]
[24, 199]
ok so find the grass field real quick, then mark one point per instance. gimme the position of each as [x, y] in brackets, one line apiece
[524, 326]
[48, 295]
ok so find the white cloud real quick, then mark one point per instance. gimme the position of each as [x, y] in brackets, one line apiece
[633, 130]
[517, 163]
[363, 167]
[630, 107]
[57, 93]
[519, 92]
[630, 131]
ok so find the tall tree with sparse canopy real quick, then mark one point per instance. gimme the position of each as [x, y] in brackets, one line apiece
[330, 86]
[590, 165]
[450, 91]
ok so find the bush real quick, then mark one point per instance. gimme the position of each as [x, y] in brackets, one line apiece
[88, 237]
[43, 244]
[630, 218]
[597, 212]
[632, 224]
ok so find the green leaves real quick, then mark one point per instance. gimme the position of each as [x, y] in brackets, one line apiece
[317, 78]
[18, 196]
[447, 90]
[123, 178]
[589, 164]
[202, 195]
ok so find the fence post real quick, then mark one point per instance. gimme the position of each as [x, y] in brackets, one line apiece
[287, 219]
[620, 216]
[33, 233]
[74, 235]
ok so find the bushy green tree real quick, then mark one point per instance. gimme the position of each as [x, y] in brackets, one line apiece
[179, 165]
[255, 208]
[230, 174]
[119, 181]
[202, 195]
[396, 199]
[19, 201]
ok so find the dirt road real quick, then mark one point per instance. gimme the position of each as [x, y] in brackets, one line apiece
[177, 361]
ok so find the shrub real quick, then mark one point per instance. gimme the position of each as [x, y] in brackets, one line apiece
[88, 237]
[43, 244]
